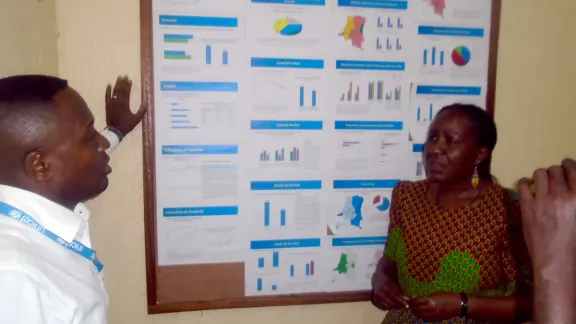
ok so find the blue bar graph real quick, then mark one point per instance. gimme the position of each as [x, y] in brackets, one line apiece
[184, 127]
[260, 262]
[259, 284]
[266, 213]
[224, 57]
[208, 54]
[276, 259]
[292, 271]
[314, 98]
[433, 57]
[418, 116]
[307, 269]
[274, 288]
[431, 111]
[282, 217]
[302, 97]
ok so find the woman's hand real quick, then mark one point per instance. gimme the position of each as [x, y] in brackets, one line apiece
[387, 294]
[437, 307]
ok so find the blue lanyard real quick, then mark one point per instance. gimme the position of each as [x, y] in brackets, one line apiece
[76, 247]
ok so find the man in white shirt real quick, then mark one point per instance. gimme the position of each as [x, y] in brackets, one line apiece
[51, 160]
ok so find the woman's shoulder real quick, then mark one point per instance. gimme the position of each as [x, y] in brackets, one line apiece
[507, 194]
[407, 187]
[511, 201]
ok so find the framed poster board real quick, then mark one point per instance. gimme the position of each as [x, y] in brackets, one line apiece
[277, 130]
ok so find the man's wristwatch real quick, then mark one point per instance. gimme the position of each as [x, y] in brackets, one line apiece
[116, 132]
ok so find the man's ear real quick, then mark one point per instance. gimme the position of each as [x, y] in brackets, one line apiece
[36, 166]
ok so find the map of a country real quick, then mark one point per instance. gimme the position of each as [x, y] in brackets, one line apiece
[352, 210]
[346, 264]
[438, 5]
[354, 30]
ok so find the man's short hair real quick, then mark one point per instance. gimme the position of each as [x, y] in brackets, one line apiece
[30, 88]
[26, 105]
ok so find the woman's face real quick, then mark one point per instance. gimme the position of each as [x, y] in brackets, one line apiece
[451, 151]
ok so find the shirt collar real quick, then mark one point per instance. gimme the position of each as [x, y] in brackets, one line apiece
[52, 216]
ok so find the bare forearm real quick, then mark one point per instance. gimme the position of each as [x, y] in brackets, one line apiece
[555, 295]
[504, 309]
[385, 267]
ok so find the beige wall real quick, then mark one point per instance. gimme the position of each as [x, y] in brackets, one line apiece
[37, 22]
[535, 106]
[100, 39]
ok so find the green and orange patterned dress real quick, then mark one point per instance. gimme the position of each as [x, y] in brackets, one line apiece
[478, 250]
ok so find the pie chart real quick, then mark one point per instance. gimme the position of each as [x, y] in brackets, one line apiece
[461, 56]
[381, 203]
[288, 26]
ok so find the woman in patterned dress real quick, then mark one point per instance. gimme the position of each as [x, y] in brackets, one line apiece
[455, 251]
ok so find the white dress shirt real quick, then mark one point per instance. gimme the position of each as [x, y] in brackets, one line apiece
[42, 282]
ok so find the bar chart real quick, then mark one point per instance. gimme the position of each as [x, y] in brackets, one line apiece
[390, 23]
[388, 44]
[178, 38]
[303, 98]
[275, 261]
[267, 215]
[223, 54]
[379, 85]
[394, 94]
[177, 55]
[433, 57]
[353, 93]
[377, 90]
[280, 155]
[260, 286]
[426, 114]
[307, 270]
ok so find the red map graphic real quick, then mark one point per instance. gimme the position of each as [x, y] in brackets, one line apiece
[357, 33]
[438, 5]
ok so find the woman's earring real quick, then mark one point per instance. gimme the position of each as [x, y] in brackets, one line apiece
[475, 177]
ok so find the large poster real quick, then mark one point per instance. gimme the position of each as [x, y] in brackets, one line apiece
[282, 126]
